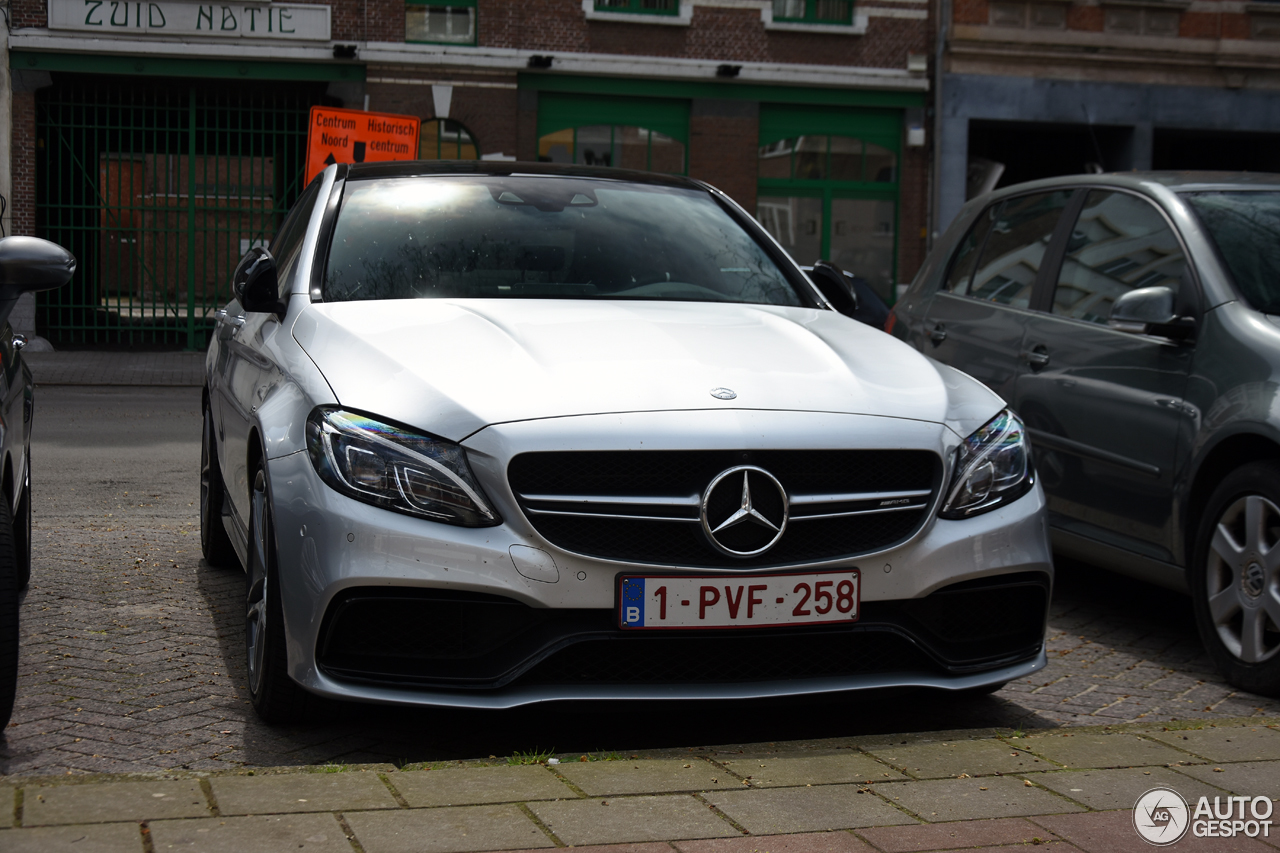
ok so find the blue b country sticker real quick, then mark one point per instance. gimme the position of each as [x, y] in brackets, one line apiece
[633, 602]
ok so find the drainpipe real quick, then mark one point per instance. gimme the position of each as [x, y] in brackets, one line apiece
[935, 176]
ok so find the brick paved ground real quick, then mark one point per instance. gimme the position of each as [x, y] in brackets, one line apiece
[132, 654]
[1067, 790]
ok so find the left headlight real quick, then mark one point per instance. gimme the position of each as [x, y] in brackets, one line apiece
[992, 468]
[396, 469]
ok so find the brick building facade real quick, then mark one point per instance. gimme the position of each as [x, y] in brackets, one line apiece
[798, 109]
[1034, 88]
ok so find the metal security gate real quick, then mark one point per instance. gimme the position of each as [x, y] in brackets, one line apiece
[158, 189]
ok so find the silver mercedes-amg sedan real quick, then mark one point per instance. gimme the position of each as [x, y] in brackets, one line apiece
[484, 435]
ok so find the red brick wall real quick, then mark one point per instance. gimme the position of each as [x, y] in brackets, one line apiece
[489, 112]
[727, 35]
[1088, 18]
[1236, 26]
[29, 13]
[374, 20]
[970, 12]
[23, 165]
[1199, 25]
[723, 147]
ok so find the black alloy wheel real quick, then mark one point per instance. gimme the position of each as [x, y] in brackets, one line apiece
[9, 590]
[275, 696]
[1235, 578]
[215, 544]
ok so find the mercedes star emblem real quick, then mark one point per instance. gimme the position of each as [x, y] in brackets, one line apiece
[724, 393]
[744, 511]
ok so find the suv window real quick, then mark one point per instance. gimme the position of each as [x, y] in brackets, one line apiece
[1014, 236]
[287, 246]
[1120, 243]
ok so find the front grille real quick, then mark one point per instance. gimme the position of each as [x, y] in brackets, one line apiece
[643, 506]
[466, 641]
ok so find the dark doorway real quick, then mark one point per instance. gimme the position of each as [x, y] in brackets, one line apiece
[1032, 150]
[1215, 151]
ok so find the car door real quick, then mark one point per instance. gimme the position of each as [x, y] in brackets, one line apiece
[1105, 407]
[246, 373]
[976, 320]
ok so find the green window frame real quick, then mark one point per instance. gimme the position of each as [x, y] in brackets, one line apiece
[419, 14]
[813, 11]
[639, 7]
[782, 124]
[565, 114]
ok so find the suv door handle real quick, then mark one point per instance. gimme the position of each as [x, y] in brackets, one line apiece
[938, 333]
[1036, 357]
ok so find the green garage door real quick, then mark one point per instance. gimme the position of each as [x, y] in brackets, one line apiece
[159, 188]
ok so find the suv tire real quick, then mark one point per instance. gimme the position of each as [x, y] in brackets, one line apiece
[1235, 577]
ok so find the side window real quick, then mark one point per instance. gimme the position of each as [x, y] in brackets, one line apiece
[1020, 231]
[1119, 243]
[287, 246]
[966, 257]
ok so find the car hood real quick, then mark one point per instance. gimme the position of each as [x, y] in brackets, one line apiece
[452, 367]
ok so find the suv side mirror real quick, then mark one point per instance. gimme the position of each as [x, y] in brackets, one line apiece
[257, 284]
[835, 286]
[1150, 311]
[28, 264]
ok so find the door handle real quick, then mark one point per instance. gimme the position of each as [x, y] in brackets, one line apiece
[938, 333]
[1036, 357]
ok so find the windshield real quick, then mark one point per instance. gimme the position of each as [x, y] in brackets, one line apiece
[1246, 227]
[530, 237]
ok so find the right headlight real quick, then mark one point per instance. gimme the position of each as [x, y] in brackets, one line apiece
[395, 468]
[992, 468]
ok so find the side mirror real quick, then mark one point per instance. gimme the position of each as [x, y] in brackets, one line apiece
[29, 264]
[1150, 311]
[257, 285]
[835, 286]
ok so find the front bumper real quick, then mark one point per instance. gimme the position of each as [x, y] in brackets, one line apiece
[334, 550]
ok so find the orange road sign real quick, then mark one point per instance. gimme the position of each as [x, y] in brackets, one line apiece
[354, 136]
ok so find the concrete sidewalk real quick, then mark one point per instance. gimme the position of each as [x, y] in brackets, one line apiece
[1065, 790]
[94, 367]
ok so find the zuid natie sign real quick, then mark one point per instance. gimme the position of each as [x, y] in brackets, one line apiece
[167, 17]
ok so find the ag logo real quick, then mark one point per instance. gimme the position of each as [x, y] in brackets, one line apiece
[1161, 817]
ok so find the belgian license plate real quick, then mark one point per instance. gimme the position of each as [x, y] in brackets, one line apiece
[717, 601]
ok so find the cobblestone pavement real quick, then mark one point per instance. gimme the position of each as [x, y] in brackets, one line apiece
[1069, 790]
[132, 652]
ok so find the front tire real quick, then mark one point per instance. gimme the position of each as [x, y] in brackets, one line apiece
[9, 590]
[1235, 578]
[215, 544]
[22, 531]
[275, 696]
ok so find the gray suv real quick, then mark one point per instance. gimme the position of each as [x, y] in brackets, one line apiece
[1133, 321]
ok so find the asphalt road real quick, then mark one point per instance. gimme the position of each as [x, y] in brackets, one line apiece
[132, 656]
